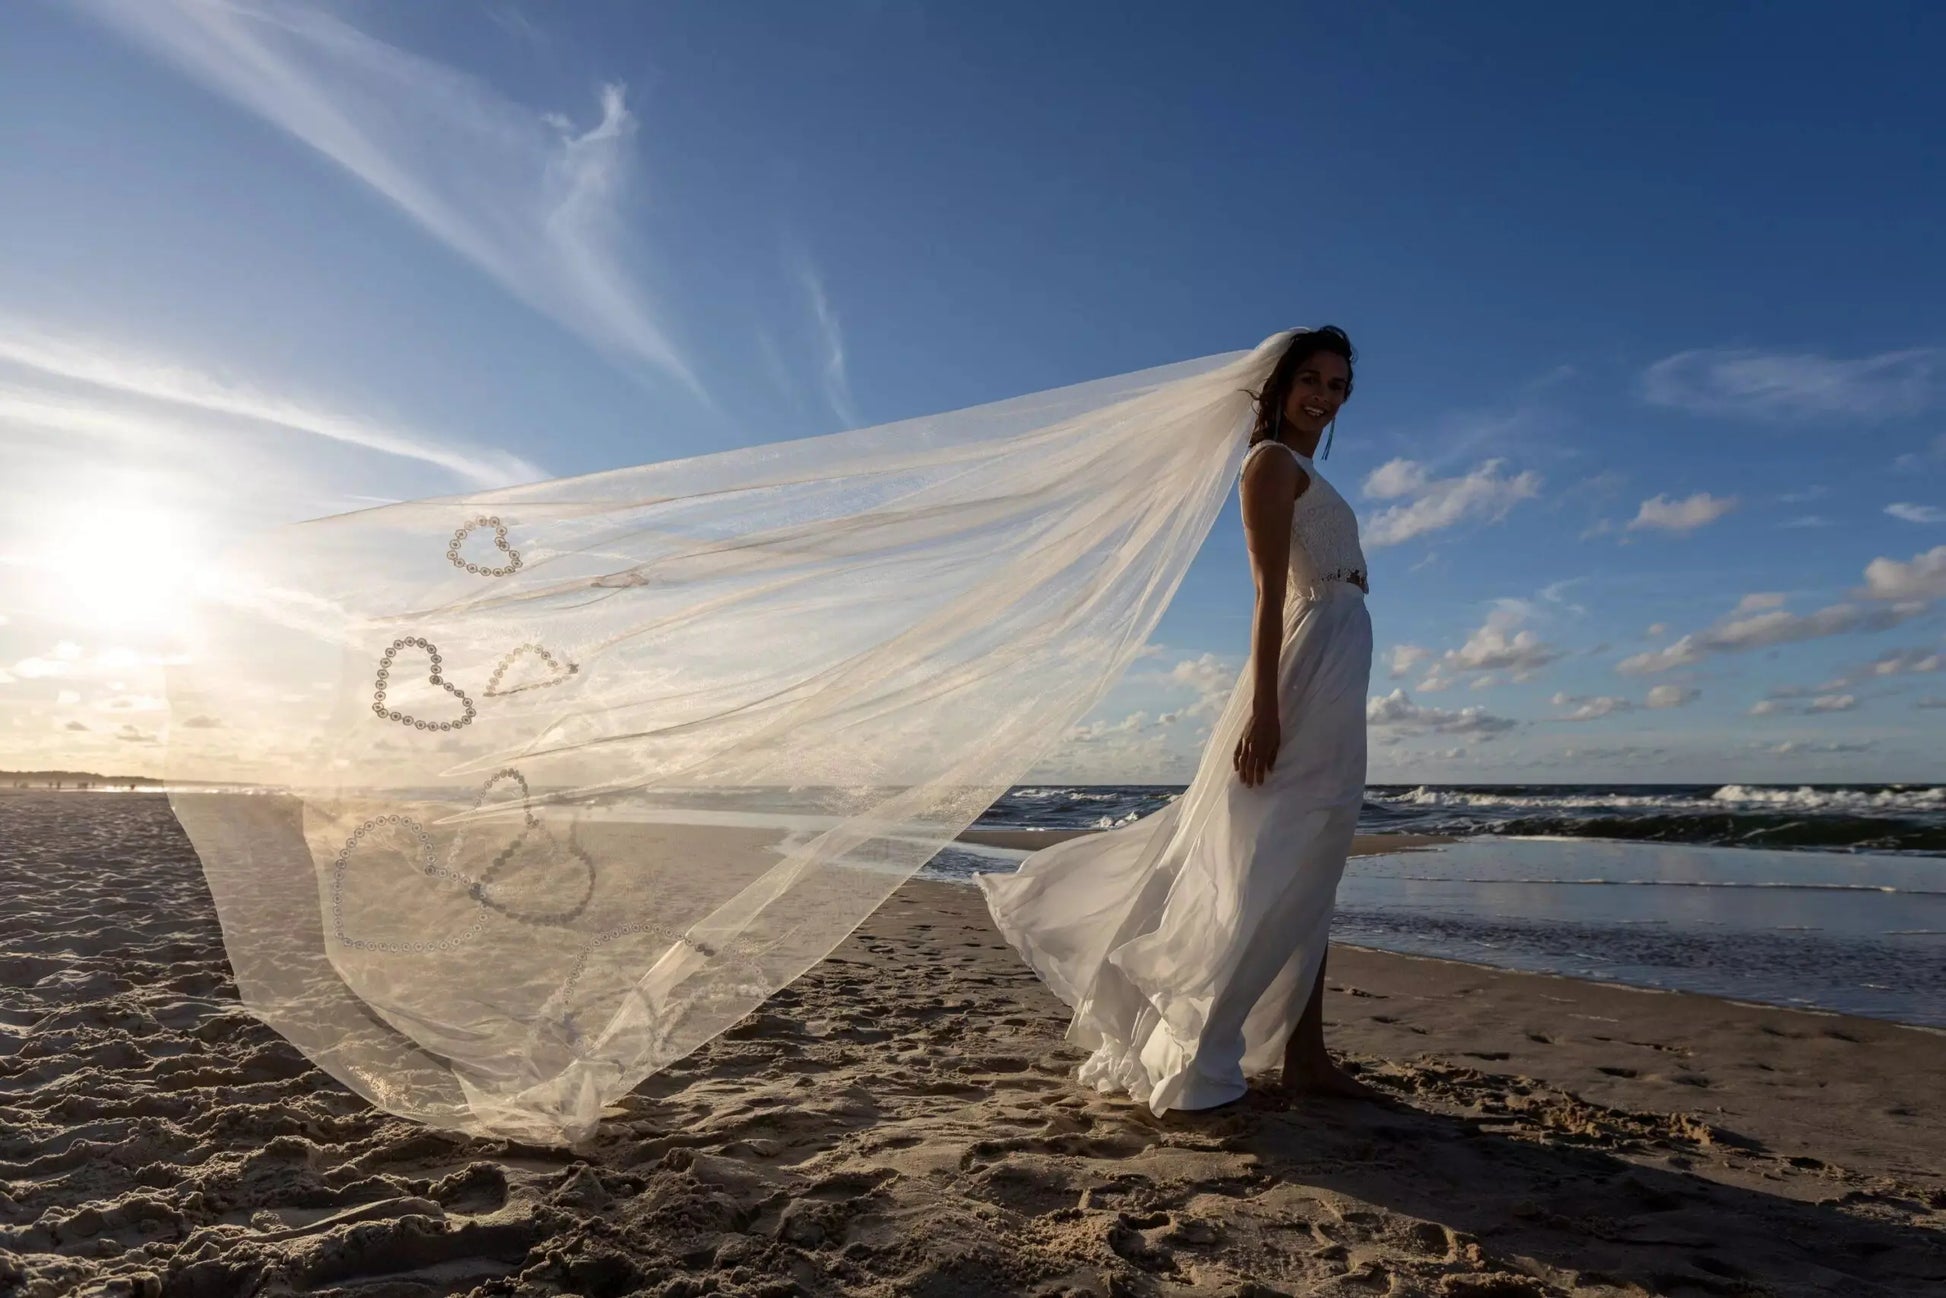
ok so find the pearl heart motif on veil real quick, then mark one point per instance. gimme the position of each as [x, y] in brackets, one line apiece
[427, 866]
[503, 860]
[561, 671]
[433, 677]
[507, 569]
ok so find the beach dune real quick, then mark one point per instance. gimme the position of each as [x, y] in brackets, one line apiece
[902, 1121]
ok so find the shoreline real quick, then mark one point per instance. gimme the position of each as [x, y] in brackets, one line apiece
[1028, 840]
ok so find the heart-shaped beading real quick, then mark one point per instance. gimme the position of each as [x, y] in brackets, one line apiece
[479, 888]
[562, 670]
[460, 534]
[427, 866]
[433, 677]
[504, 861]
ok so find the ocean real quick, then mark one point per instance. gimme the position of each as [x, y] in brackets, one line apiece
[1810, 896]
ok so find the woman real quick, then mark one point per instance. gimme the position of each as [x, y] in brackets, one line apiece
[574, 774]
[1191, 944]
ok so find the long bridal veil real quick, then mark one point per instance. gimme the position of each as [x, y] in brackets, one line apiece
[509, 800]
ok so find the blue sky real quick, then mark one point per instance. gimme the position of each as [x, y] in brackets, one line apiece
[1649, 440]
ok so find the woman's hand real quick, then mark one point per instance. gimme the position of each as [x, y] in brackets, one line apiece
[1257, 751]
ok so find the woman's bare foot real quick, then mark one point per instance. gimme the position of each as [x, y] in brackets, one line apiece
[1324, 1077]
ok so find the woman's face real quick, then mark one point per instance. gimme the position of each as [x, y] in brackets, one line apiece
[1317, 390]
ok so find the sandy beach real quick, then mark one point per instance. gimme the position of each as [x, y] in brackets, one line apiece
[901, 1121]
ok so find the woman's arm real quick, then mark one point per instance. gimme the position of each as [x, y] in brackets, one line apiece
[1271, 484]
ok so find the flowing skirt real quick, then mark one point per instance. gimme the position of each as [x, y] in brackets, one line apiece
[1186, 942]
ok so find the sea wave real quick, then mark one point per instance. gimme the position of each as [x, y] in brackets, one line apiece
[1905, 818]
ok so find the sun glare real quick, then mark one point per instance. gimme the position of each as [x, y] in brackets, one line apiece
[116, 565]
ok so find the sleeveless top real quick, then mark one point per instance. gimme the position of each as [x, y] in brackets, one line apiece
[1324, 531]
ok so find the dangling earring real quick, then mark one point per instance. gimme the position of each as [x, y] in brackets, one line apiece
[1329, 430]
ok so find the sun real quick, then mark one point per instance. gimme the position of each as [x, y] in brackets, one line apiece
[117, 564]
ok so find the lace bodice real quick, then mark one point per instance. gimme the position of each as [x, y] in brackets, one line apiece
[1324, 531]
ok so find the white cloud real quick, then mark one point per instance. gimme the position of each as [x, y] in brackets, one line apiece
[1397, 711]
[1095, 730]
[1681, 516]
[1805, 691]
[1921, 577]
[1898, 662]
[1796, 386]
[63, 660]
[1789, 746]
[1498, 646]
[1206, 673]
[1395, 478]
[531, 200]
[1774, 705]
[1672, 696]
[1758, 621]
[1432, 504]
[1209, 677]
[1764, 629]
[1657, 630]
[1406, 657]
[1917, 513]
[1591, 709]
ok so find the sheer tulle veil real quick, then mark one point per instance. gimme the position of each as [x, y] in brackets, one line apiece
[509, 800]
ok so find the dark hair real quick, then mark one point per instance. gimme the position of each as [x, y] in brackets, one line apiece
[1303, 346]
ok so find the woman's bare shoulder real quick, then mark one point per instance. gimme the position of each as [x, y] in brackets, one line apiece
[1269, 476]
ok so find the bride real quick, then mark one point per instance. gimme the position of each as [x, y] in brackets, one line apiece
[1192, 951]
[510, 800]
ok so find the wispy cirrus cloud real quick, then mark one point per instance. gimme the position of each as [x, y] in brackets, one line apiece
[530, 198]
[1910, 513]
[1781, 386]
[832, 374]
[74, 385]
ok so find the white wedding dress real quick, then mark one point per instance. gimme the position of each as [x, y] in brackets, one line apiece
[1187, 942]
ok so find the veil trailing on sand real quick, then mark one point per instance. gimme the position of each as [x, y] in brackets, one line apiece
[509, 800]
